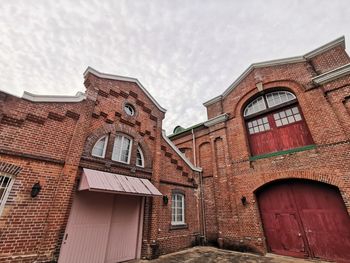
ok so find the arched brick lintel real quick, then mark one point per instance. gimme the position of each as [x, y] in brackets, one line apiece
[9, 168]
[328, 178]
[120, 128]
[290, 85]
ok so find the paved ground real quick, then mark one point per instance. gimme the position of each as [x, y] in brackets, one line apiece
[211, 254]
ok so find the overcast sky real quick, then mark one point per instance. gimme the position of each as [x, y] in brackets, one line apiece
[183, 52]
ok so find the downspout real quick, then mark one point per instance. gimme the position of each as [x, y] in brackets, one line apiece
[194, 148]
[204, 235]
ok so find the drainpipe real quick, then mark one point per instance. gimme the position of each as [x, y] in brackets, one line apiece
[204, 235]
[194, 148]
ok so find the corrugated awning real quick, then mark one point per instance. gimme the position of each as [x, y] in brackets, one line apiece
[99, 181]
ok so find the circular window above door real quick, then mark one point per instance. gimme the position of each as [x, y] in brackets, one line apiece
[129, 109]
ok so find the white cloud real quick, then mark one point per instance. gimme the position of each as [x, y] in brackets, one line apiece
[184, 52]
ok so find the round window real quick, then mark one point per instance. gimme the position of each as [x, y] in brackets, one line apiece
[129, 110]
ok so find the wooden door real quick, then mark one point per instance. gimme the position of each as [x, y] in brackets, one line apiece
[305, 218]
[325, 219]
[279, 130]
[281, 222]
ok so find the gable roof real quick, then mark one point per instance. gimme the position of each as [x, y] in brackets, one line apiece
[122, 78]
[304, 58]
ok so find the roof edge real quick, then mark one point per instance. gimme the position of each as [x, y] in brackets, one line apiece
[325, 47]
[182, 156]
[80, 96]
[276, 62]
[220, 118]
[123, 78]
[332, 75]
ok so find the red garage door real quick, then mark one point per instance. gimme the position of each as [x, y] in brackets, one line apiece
[305, 219]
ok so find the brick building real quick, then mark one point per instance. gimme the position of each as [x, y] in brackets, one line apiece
[93, 178]
[93, 155]
[275, 156]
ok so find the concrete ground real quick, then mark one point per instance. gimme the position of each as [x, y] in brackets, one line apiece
[212, 254]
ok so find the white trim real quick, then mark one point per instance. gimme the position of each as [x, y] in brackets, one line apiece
[80, 96]
[332, 75]
[142, 157]
[121, 152]
[304, 58]
[330, 45]
[122, 78]
[182, 156]
[213, 100]
[104, 147]
[182, 222]
[6, 193]
[216, 120]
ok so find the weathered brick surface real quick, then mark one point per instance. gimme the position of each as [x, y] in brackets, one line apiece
[52, 142]
[223, 150]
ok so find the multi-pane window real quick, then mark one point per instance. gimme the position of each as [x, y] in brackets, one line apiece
[269, 100]
[177, 209]
[278, 97]
[6, 182]
[258, 125]
[99, 149]
[139, 157]
[121, 149]
[255, 106]
[274, 123]
[287, 116]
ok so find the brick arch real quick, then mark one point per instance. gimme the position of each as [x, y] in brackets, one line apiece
[9, 168]
[206, 158]
[120, 128]
[289, 85]
[109, 128]
[328, 178]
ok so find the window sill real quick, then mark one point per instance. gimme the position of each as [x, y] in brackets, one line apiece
[294, 150]
[176, 227]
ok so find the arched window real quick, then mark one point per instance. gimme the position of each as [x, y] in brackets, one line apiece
[140, 161]
[6, 182]
[99, 149]
[177, 209]
[274, 123]
[121, 149]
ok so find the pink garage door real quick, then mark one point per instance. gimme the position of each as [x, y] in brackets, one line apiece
[102, 228]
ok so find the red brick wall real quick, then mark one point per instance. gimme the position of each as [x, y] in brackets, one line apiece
[326, 111]
[51, 142]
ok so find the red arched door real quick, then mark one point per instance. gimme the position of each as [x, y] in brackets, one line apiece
[305, 219]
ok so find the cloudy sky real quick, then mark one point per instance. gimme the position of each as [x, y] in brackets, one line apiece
[183, 52]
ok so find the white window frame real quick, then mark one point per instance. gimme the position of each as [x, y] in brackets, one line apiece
[6, 193]
[118, 159]
[174, 209]
[104, 147]
[262, 102]
[129, 107]
[142, 157]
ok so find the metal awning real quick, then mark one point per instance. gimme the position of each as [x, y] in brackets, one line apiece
[99, 181]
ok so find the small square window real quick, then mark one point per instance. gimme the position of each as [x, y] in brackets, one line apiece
[284, 121]
[297, 117]
[278, 123]
[282, 114]
[295, 110]
[289, 112]
[291, 119]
